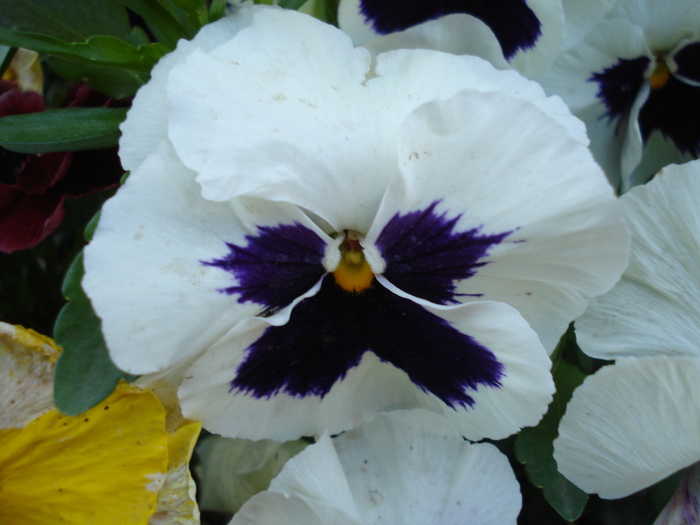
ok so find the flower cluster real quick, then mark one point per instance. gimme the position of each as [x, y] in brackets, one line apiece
[354, 254]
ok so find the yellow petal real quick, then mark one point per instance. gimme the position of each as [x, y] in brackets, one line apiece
[176, 500]
[103, 467]
[27, 362]
[25, 69]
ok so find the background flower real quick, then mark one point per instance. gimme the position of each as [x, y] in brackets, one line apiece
[636, 422]
[403, 467]
[34, 187]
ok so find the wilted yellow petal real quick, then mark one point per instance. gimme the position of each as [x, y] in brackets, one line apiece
[27, 362]
[25, 70]
[176, 500]
[103, 467]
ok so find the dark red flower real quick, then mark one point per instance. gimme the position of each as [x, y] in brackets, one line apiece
[34, 187]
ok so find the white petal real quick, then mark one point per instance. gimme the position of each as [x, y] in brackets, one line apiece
[407, 467]
[316, 132]
[457, 34]
[581, 17]
[663, 27]
[513, 169]
[630, 425]
[413, 467]
[145, 270]
[273, 508]
[533, 61]
[654, 309]
[147, 120]
[374, 385]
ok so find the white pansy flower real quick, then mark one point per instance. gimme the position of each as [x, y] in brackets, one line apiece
[310, 236]
[635, 81]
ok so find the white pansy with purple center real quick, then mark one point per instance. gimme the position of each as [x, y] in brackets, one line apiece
[309, 237]
[635, 81]
[636, 422]
[407, 467]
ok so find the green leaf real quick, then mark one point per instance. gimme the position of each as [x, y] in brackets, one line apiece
[84, 373]
[291, 4]
[217, 10]
[191, 13]
[67, 129]
[66, 20]
[115, 83]
[165, 26]
[100, 50]
[534, 449]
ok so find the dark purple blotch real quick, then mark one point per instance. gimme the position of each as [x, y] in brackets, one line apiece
[425, 256]
[618, 86]
[328, 333]
[515, 25]
[276, 266]
[674, 109]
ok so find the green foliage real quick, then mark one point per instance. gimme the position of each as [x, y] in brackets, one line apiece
[291, 4]
[534, 448]
[66, 20]
[115, 83]
[84, 373]
[99, 50]
[68, 129]
[164, 25]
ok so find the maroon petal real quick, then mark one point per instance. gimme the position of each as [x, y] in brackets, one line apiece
[16, 103]
[27, 219]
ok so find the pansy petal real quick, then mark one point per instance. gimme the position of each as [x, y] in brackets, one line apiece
[630, 425]
[456, 34]
[348, 120]
[653, 310]
[147, 122]
[172, 279]
[176, 504]
[371, 472]
[514, 180]
[417, 456]
[479, 364]
[105, 465]
[528, 34]
[273, 508]
[27, 361]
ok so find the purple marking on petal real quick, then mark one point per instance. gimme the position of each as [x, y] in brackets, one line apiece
[425, 257]
[328, 333]
[276, 266]
[618, 86]
[513, 23]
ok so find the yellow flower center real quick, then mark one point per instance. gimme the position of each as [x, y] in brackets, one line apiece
[353, 273]
[660, 75]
